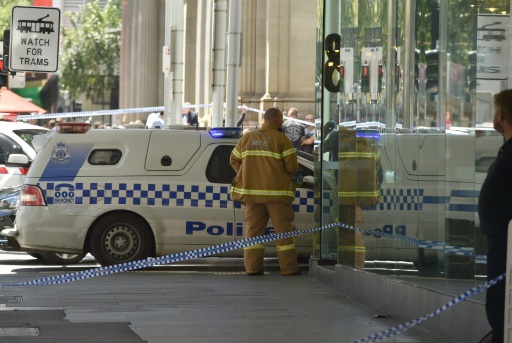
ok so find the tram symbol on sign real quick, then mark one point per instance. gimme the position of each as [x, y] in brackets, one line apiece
[490, 32]
[37, 26]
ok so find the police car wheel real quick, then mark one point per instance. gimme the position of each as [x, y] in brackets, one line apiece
[60, 258]
[120, 238]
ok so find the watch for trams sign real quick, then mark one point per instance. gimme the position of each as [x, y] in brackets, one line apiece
[34, 42]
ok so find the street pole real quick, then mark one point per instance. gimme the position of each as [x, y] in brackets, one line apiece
[234, 39]
[218, 68]
[173, 87]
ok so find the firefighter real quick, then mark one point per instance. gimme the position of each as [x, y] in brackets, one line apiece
[359, 178]
[265, 162]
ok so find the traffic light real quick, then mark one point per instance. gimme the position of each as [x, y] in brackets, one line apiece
[342, 78]
[333, 82]
[7, 44]
[398, 76]
[77, 106]
[380, 74]
[416, 70]
[432, 70]
[398, 71]
[365, 78]
[4, 78]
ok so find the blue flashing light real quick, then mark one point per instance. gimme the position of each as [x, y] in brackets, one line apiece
[368, 134]
[226, 132]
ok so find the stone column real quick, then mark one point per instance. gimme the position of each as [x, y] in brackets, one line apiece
[283, 51]
[141, 71]
[202, 22]
[123, 71]
[272, 51]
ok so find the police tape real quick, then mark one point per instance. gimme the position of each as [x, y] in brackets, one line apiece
[225, 247]
[68, 115]
[406, 326]
[242, 243]
[154, 261]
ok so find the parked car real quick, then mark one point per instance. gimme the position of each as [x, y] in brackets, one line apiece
[16, 155]
[16, 151]
[9, 198]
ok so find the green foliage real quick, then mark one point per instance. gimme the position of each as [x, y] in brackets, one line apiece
[5, 12]
[91, 49]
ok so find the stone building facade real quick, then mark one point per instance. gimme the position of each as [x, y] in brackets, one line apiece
[278, 55]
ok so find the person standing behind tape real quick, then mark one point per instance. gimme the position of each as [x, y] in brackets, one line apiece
[495, 212]
[293, 129]
[155, 120]
[308, 140]
[265, 161]
[189, 117]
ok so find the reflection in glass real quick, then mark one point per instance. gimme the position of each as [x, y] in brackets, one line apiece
[418, 72]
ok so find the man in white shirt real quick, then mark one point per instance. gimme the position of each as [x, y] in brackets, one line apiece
[155, 120]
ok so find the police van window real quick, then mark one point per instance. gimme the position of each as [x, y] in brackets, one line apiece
[7, 147]
[104, 156]
[219, 170]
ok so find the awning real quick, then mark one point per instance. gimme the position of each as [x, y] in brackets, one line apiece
[13, 103]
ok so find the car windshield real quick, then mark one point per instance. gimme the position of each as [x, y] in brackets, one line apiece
[28, 134]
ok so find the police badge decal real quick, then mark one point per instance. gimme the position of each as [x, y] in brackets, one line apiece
[61, 154]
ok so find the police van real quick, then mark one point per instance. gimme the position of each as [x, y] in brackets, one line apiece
[433, 200]
[125, 195]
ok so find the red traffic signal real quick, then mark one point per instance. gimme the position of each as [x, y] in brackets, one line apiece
[365, 78]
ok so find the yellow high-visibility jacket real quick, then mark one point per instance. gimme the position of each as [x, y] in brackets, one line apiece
[359, 166]
[264, 161]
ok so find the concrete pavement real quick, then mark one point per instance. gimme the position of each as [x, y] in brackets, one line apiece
[196, 303]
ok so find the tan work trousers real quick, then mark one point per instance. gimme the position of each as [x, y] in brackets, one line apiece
[256, 218]
[352, 250]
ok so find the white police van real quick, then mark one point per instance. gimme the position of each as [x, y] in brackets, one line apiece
[432, 199]
[128, 194]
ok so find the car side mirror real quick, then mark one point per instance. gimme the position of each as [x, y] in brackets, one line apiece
[17, 159]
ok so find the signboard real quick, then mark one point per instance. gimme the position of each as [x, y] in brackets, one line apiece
[493, 45]
[35, 35]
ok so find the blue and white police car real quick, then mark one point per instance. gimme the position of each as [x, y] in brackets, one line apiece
[125, 195]
[16, 151]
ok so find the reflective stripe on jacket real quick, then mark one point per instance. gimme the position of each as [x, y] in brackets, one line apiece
[359, 167]
[264, 161]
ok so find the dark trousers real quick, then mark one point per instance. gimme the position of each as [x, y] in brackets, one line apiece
[495, 297]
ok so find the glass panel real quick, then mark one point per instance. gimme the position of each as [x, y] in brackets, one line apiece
[489, 72]
[423, 74]
[326, 159]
